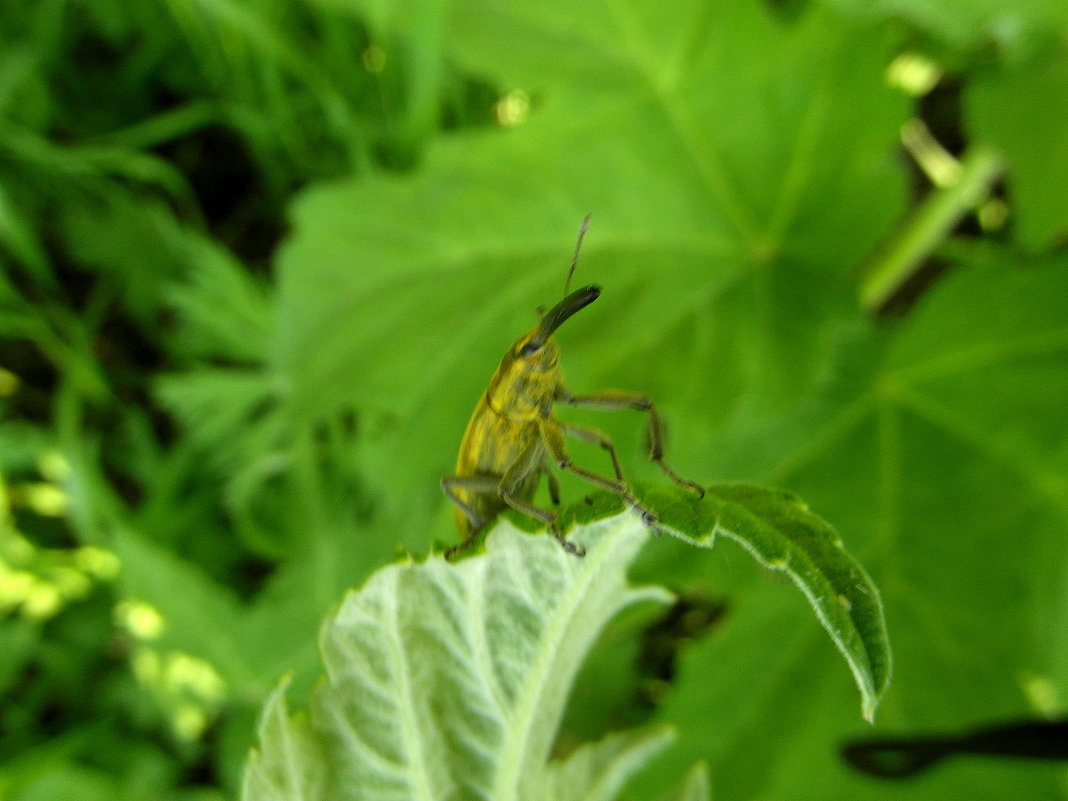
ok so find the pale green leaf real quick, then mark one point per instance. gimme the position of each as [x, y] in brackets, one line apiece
[449, 680]
[597, 772]
[695, 787]
[295, 770]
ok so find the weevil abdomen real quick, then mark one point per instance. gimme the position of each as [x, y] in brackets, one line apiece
[493, 442]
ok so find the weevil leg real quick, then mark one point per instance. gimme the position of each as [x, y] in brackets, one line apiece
[462, 545]
[474, 485]
[595, 436]
[510, 492]
[618, 399]
[554, 486]
[552, 434]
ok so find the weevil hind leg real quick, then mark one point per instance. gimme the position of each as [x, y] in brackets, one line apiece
[546, 517]
[473, 485]
[461, 546]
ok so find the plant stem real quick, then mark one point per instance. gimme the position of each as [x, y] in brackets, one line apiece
[936, 216]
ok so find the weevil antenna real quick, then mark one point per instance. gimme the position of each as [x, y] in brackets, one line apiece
[578, 246]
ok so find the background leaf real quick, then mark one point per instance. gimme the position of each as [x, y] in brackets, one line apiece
[710, 262]
[969, 581]
[1015, 110]
[258, 261]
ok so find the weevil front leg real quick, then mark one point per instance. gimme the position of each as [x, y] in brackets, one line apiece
[617, 400]
[552, 434]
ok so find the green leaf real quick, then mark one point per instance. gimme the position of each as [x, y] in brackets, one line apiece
[200, 615]
[695, 787]
[1011, 25]
[247, 644]
[779, 531]
[293, 768]
[19, 239]
[721, 211]
[1020, 110]
[598, 771]
[448, 679]
[217, 281]
[940, 454]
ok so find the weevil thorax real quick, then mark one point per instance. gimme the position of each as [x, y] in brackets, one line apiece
[526, 381]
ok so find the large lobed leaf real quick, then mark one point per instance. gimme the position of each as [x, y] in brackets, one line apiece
[729, 197]
[943, 455]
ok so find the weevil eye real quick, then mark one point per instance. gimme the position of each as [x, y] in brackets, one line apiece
[530, 348]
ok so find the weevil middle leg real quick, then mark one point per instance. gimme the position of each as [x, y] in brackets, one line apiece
[511, 492]
[552, 434]
[618, 400]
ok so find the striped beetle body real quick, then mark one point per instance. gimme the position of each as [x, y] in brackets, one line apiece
[514, 436]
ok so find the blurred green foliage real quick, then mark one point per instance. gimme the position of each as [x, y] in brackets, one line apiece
[260, 257]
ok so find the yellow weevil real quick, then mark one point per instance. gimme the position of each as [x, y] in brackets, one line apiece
[514, 434]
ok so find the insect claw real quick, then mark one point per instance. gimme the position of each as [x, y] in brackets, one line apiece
[572, 548]
[648, 518]
[696, 488]
[682, 482]
[459, 547]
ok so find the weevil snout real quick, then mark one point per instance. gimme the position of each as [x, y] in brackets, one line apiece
[558, 315]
